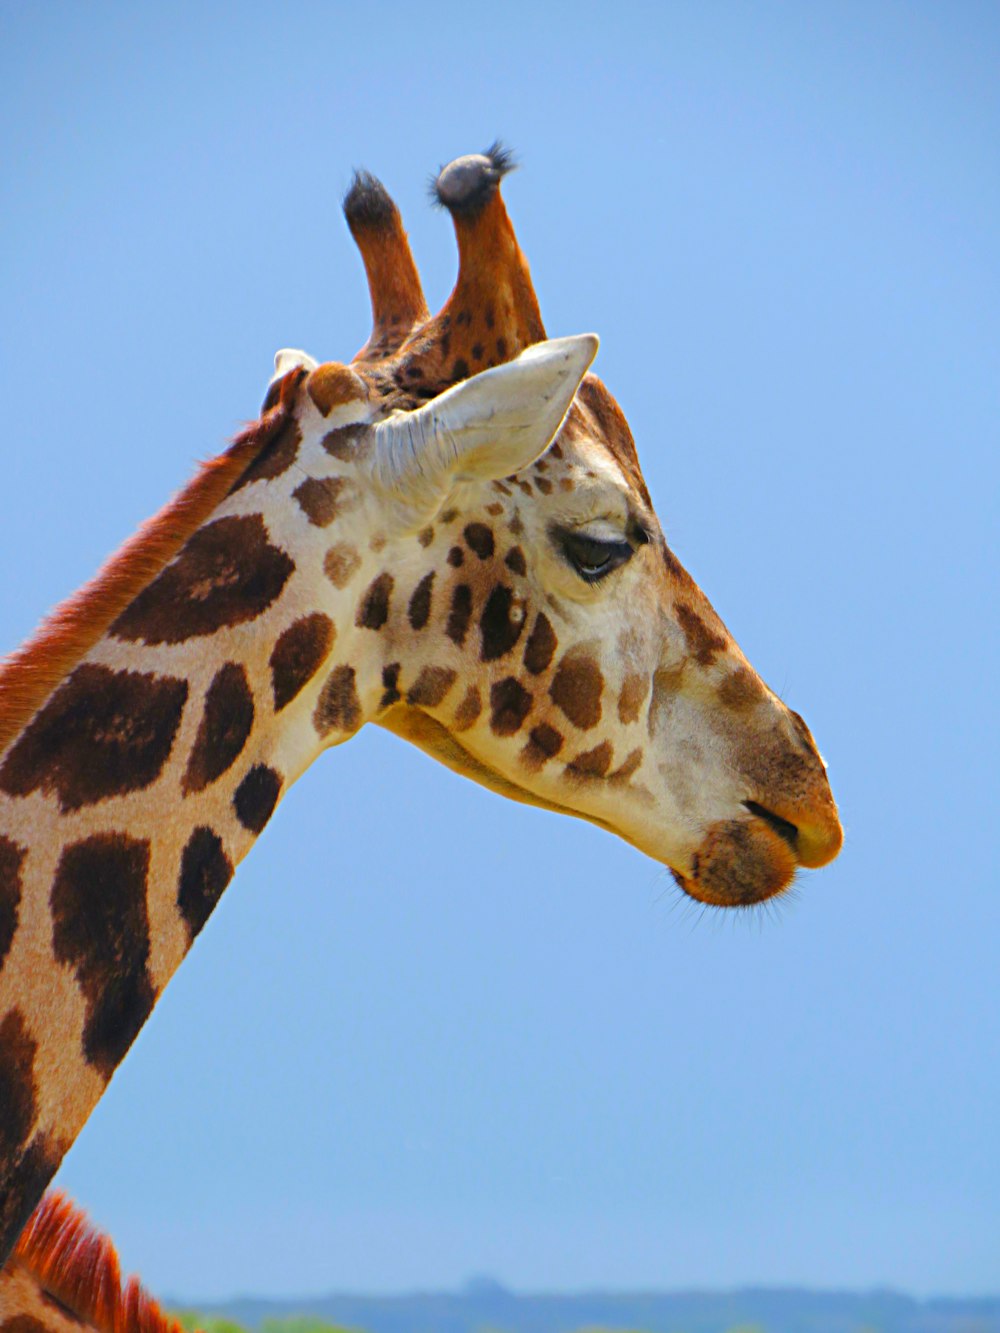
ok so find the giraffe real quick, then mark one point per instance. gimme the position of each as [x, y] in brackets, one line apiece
[448, 536]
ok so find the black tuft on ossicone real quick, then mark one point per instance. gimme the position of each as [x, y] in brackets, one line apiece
[368, 204]
[466, 185]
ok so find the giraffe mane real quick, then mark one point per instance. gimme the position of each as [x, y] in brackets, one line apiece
[78, 1266]
[30, 674]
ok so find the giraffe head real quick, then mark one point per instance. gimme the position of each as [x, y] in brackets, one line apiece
[517, 612]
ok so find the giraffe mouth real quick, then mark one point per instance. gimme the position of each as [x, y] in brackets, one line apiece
[783, 827]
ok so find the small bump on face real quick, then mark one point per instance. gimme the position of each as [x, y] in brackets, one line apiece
[256, 797]
[431, 686]
[373, 610]
[510, 704]
[340, 564]
[576, 690]
[321, 499]
[468, 710]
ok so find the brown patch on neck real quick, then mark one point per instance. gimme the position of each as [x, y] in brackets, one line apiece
[77, 1266]
[30, 674]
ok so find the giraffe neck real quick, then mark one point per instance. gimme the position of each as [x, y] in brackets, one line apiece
[128, 799]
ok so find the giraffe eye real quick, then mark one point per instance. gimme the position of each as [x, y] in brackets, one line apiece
[593, 558]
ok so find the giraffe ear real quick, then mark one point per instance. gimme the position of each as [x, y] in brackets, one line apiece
[288, 358]
[485, 428]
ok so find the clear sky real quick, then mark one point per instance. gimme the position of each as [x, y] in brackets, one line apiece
[429, 1033]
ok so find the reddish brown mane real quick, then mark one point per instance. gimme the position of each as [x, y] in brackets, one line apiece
[79, 1267]
[29, 675]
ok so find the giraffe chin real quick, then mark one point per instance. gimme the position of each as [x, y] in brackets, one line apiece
[739, 862]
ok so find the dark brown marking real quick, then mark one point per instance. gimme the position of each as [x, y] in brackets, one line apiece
[468, 710]
[343, 442]
[332, 385]
[21, 1192]
[502, 488]
[591, 763]
[340, 564]
[460, 614]
[419, 609]
[501, 623]
[544, 485]
[225, 726]
[390, 685]
[256, 797]
[541, 645]
[555, 449]
[576, 689]
[103, 733]
[100, 928]
[321, 499]
[425, 536]
[477, 351]
[702, 643]
[228, 573]
[339, 707]
[431, 686]
[205, 872]
[494, 510]
[18, 1091]
[628, 766]
[515, 561]
[510, 704]
[480, 539]
[544, 743]
[460, 370]
[298, 655]
[566, 484]
[11, 856]
[741, 690]
[373, 610]
[524, 485]
[25, 1323]
[276, 457]
[456, 557]
[449, 515]
[631, 697]
[515, 527]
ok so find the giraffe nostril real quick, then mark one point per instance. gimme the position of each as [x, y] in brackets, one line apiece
[783, 827]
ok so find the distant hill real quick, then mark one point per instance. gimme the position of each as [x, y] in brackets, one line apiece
[486, 1307]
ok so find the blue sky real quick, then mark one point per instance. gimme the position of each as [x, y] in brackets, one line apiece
[490, 1039]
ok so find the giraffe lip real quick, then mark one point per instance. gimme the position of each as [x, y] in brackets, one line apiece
[784, 828]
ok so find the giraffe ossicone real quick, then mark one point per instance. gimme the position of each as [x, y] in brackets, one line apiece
[449, 537]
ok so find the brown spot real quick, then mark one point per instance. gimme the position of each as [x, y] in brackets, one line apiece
[702, 643]
[373, 610]
[628, 766]
[227, 574]
[544, 485]
[460, 370]
[515, 527]
[544, 743]
[425, 536]
[740, 690]
[103, 733]
[27, 1323]
[100, 928]
[524, 485]
[11, 856]
[225, 726]
[205, 872]
[460, 613]
[510, 704]
[298, 655]
[468, 710]
[340, 564]
[541, 645]
[333, 384]
[18, 1091]
[456, 557]
[555, 449]
[566, 484]
[449, 515]
[377, 543]
[321, 499]
[431, 686]
[515, 561]
[494, 510]
[630, 700]
[339, 707]
[591, 763]
[22, 1190]
[480, 539]
[343, 443]
[502, 488]
[256, 797]
[390, 685]
[501, 623]
[576, 689]
[275, 458]
[419, 610]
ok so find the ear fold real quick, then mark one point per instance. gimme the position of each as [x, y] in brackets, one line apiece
[496, 423]
[288, 358]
